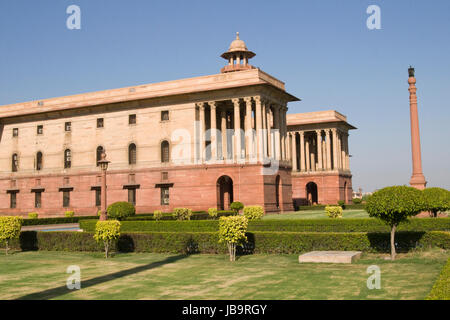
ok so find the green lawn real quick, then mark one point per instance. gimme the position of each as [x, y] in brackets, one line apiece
[42, 275]
[316, 214]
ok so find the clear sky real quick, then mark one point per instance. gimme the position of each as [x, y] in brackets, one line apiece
[322, 50]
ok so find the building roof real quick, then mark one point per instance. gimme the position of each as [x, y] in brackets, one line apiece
[317, 117]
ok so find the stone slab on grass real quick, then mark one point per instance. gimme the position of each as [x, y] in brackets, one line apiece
[330, 256]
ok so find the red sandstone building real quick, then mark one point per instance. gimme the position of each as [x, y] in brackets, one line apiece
[199, 143]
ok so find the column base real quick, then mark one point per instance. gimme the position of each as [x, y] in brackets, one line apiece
[418, 181]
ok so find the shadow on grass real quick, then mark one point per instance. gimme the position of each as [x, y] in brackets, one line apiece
[59, 291]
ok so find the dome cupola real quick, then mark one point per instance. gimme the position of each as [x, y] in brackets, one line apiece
[237, 56]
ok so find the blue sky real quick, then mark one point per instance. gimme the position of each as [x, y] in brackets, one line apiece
[322, 50]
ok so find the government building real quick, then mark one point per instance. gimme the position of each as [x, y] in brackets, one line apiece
[199, 143]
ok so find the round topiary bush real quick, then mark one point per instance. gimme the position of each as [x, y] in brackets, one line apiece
[157, 214]
[120, 210]
[182, 213]
[394, 205]
[69, 214]
[213, 212]
[237, 206]
[334, 211]
[341, 203]
[253, 212]
[436, 200]
[33, 215]
[356, 200]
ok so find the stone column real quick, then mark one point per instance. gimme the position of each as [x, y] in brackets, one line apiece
[335, 149]
[212, 106]
[283, 132]
[343, 151]
[264, 126]
[269, 131]
[347, 153]
[259, 137]
[302, 150]
[223, 128]
[202, 131]
[248, 128]
[319, 150]
[276, 124]
[328, 143]
[237, 130]
[308, 155]
[294, 151]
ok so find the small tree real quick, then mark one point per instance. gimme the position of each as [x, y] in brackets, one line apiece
[69, 214]
[120, 210]
[182, 213]
[212, 212]
[157, 214]
[253, 212]
[236, 207]
[9, 229]
[356, 200]
[436, 200]
[107, 232]
[394, 205]
[334, 211]
[232, 231]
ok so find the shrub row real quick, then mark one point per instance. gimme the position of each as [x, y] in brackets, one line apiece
[322, 207]
[58, 220]
[441, 288]
[298, 225]
[258, 242]
[202, 215]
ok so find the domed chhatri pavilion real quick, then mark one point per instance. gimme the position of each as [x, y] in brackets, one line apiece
[200, 143]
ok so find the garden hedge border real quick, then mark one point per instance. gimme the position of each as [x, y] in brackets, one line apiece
[259, 242]
[441, 288]
[287, 225]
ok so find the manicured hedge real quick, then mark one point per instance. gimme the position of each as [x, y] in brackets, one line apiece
[441, 288]
[288, 225]
[196, 215]
[322, 207]
[59, 220]
[259, 242]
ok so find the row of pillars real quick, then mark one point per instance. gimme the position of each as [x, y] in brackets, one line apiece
[261, 134]
[319, 150]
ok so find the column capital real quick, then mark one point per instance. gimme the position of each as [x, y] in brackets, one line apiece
[257, 99]
[334, 130]
[318, 131]
[200, 104]
[247, 99]
[212, 104]
[301, 133]
[235, 100]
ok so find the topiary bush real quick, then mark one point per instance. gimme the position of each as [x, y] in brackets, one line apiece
[107, 232]
[394, 205]
[334, 211]
[9, 229]
[157, 214]
[69, 214]
[232, 231]
[212, 212]
[182, 213]
[436, 200]
[120, 210]
[253, 212]
[356, 200]
[33, 215]
[441, 288]
[341, 203]
[237, 206]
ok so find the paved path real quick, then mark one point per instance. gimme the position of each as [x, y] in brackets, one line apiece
[51, 227]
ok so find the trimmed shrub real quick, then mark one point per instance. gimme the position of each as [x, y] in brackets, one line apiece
[236, 206]
[33, 215]
[441, 288]
[157, 214]
[341, 203]
[356, 200]
[212, 212]
[69, 214]
[120, 210]
[9, 229]
[334, 211]
[232, 232]
[436, 200]
[393, 205]
[253, 212]
[182, 213]
[59, 220]
[107, 232]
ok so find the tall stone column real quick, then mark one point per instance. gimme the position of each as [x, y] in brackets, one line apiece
[308, 155]
[417, 179]
[223, 128]
[269, 131]
[302, 150]
[212, 106]
[259, 137]
[248, 128]
[328, 143]
[264, 126]
[335, 149]
[339, 149]
[276, 124]
[294, 151]
[202, 131]
[319, 150]
[344, 151]
[347, 153]
[237, 130]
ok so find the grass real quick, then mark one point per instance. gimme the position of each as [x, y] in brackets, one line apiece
[42, 275]
[316, 214]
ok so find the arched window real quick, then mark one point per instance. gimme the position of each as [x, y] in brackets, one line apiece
[132, 154]
[100, 150]
[67, 159]
[165, 151]
[39, 161]
[15, 162]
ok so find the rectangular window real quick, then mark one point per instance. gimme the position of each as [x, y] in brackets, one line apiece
[132, 119]
[164, 176]
[98, 200]
[164, 196]
[132, 196]
[100, 123]
[13, 200]
[68, 126]
[164, 115]
[40, 129]
[37, 199]
[66, 199]
[15, 132]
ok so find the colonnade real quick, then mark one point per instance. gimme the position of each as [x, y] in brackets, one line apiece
[248, 129]
[319, 150]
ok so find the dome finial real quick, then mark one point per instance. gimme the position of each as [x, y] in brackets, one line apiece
[237, 35]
